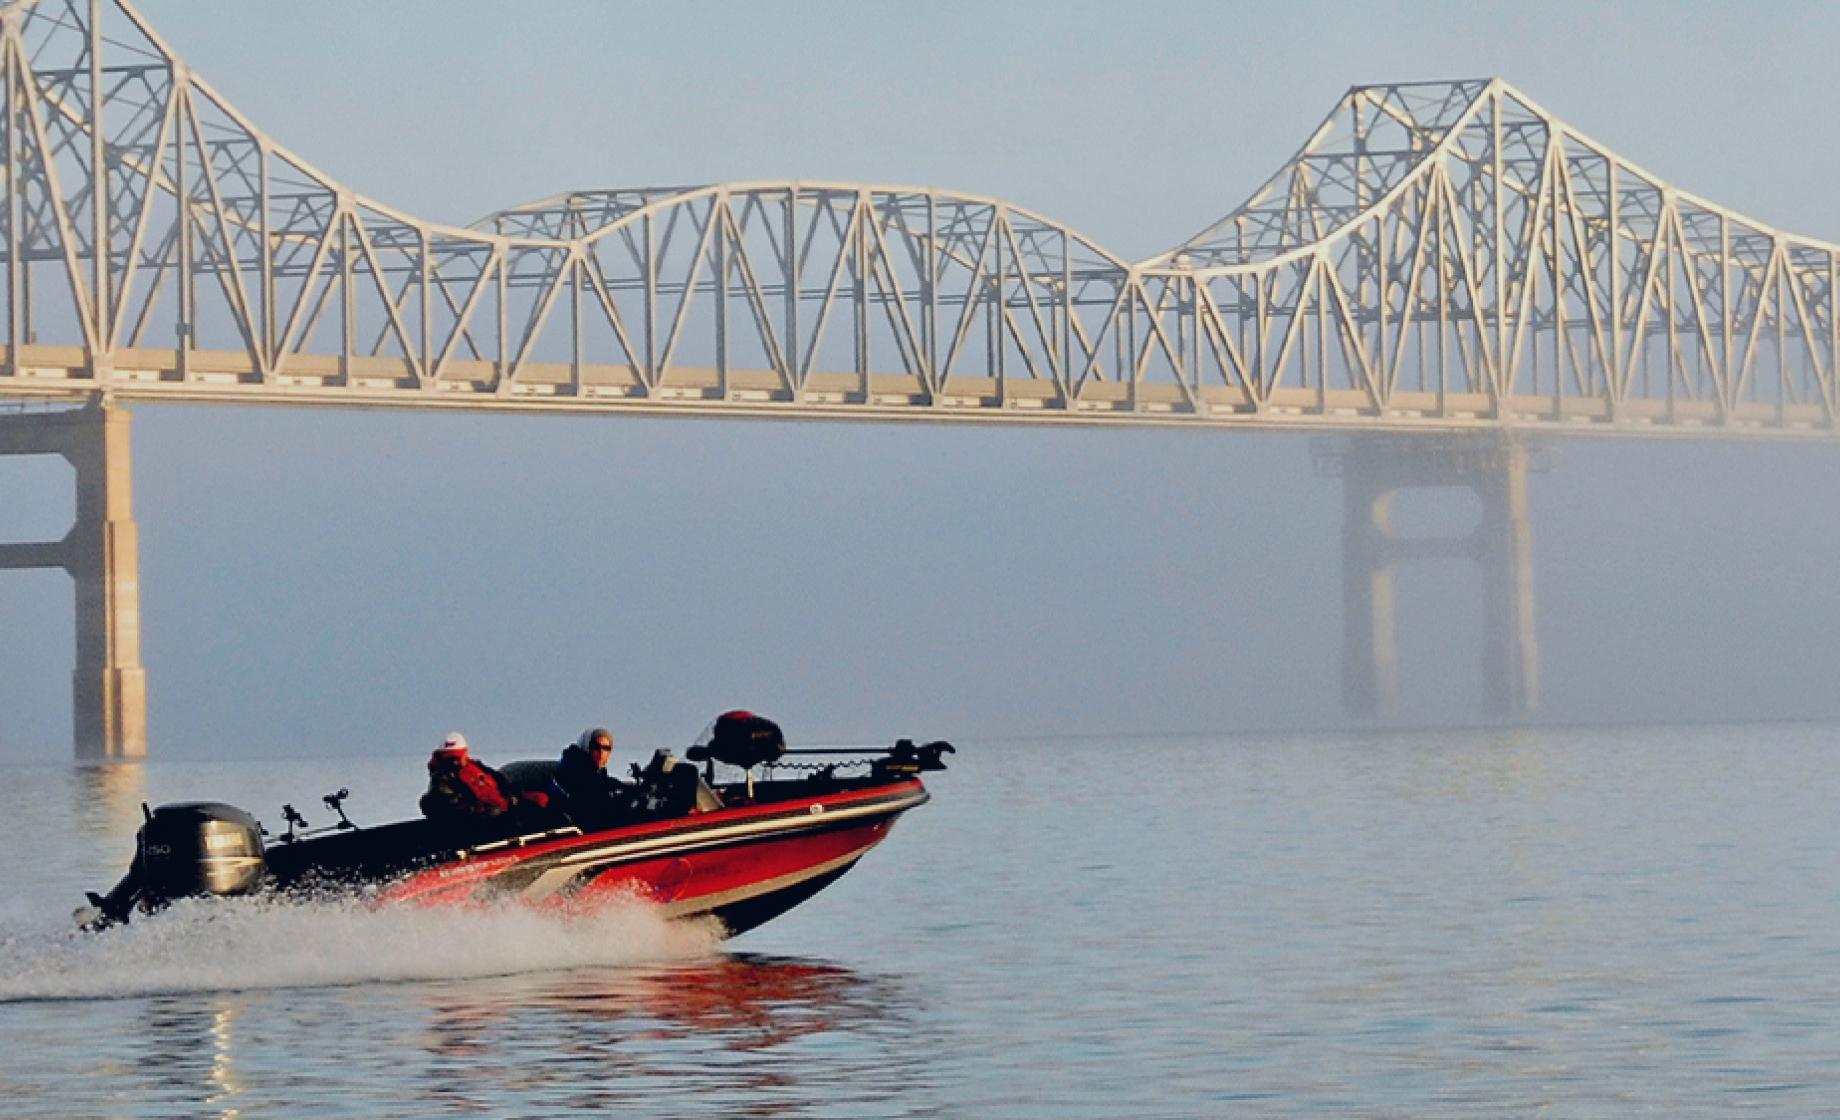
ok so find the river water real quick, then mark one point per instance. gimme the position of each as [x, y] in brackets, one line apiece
[1575, 922]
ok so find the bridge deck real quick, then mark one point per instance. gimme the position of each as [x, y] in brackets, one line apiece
[231, 377]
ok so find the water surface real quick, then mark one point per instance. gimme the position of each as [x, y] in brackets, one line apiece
[1579, 922]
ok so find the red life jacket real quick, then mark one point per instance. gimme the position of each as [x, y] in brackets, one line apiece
[481, 785]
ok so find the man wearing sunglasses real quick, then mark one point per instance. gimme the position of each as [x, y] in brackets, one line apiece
[592, 797]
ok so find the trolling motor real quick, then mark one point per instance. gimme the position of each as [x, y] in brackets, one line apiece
[906, 758]
[744, 740]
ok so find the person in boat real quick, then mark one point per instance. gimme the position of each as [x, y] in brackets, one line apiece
[463, 790]
[590, 796]
[595, 799]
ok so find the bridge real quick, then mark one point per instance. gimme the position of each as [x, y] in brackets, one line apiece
[1444, 261]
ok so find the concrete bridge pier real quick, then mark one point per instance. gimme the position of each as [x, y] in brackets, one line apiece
[1374, 468]
[102, 554]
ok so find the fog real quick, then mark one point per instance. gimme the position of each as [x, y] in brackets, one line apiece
[363, 581]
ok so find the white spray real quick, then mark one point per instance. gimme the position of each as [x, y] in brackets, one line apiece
[206, 945]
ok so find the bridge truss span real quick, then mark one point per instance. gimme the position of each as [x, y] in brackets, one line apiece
[1437, 256]
[833, 295]
[1452, 250]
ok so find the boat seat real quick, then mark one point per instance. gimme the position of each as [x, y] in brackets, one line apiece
[529, 774]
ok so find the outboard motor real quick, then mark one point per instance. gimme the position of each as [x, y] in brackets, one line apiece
[200, 847]
[187, 848]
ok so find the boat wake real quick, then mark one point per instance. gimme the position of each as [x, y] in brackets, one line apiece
[202, 945]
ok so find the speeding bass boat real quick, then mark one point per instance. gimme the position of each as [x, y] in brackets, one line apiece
[742, 852]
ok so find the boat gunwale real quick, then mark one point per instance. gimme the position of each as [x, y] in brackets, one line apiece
[910, 793]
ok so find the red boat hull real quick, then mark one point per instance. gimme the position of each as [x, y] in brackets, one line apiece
[742, 865]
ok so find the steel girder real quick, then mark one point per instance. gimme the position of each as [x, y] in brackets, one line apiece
[1440, 255]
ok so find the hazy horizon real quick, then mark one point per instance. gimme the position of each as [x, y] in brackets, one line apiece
[312, 579]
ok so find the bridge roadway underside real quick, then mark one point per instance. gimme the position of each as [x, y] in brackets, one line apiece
[101, 553]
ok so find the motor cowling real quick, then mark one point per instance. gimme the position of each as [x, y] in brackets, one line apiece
[199, 847]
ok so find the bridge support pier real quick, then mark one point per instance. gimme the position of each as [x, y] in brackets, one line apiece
[1374, 468]
[102, 554]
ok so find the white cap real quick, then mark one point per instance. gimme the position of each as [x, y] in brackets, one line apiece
[454, 742]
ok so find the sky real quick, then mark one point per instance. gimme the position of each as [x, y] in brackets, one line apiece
[360, 582]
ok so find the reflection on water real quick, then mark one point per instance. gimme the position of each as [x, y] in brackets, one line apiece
[744, 1035]
[754, 1002]
[189, 1051]
[106, 800]
[725, 1036]
[223, 1071]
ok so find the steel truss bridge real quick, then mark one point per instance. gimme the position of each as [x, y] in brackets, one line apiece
[1436, 256]
[1440, 258]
